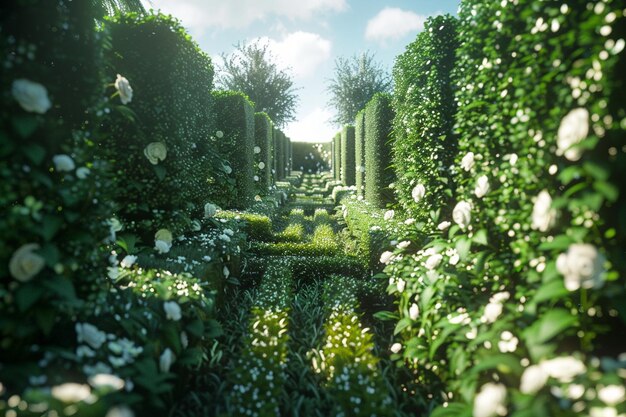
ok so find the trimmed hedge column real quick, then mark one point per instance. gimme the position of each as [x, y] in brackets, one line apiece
[264, 159]
[235, 115]
[359, 152]
[337, 156]
[279, 143]
[378, 119]
[347, 155]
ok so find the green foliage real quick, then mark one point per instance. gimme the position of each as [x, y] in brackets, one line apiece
[347, 156]
[235, 115]
[310, 158]
[378, 118]
[359, 152]
[294, 232]
[172, 106]
[256, 226]
[424, 107]
[356, 80]
[252, 69]
[263, 128]
[337, 156]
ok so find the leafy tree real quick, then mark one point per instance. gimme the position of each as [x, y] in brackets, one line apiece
[356, 81]
[124, 6]
[252, 69]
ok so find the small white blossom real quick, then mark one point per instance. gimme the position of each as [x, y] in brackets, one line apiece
[389, 215]
[414, 311]
[582, 266]
[82, 173]
[482, 186]
[25, 263]
[31, 96]
[386, 257]
[63, 163]
[155, 152]
[172, 310]
[612, 394]
[90, 334]
[462, 214]
[433, 261]
[533, 379]
[419, 191]
[573, 129]
[564, 368]
[443, 225]
[162, 247]
[490, 401]
[544, 216]
[128, 261]
[219, 134]
[396, 347]
[467, 163]
[166, 360]
[124, 89]
[71, 392]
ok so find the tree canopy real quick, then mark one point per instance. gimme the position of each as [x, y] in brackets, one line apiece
[355, 82]
[252, 69]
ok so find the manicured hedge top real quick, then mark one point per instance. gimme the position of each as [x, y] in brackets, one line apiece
[378, 118]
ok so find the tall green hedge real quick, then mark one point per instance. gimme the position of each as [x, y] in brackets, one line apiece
[289, 156]
[279, 143]
[337, 156]
[359, 152]
[528, 271]
[347, 156]
[235, 118]
[378, 122]
[263, 127]
[424, 104]
[171, 106]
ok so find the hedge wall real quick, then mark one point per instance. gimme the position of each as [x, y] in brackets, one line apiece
[378, 122]
[279, 143]
[169, 118]
[359, 152]
[235, 115]
[519, 287]
[337, 156]
[424, 105]
[263, 160]
[347, 156]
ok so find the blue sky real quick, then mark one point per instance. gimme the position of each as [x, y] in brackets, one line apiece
[307, 36]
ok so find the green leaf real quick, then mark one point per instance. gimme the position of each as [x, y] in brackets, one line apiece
[386, 315]
[402, 324]
[560, 242]
[453, 410]
[27, 295]
[608, 190]
[160, 172]
[45, 319]
[51, 225]
[553, 290]
[481, 237]
[62, 286]
[597, 171]
[196, 328]
[504, 362]
[35, 153]
[551, 324]
[25, 125]
[463, 246]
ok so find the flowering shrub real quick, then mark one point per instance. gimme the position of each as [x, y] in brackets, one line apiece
[379, 176]
[256, 226]
[263, 128]
[505, 309]
[347, 156]
[424, 117]
[235, 115]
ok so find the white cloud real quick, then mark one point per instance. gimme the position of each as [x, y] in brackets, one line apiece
[392, 24]
[200, 15]
[314, 127]
[303, 52]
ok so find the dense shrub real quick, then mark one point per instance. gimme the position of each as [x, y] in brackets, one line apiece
[378, 119]
[256, 226]
[424, 107]
[161, 144]
[337, 156]
[263, 128]
[359, 153]
[529, 279]
[279, 154]
[347, 156]
[235, 115]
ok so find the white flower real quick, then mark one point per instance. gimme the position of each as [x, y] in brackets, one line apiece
[63, 163]
[462, 214]
[257, 198]
[113, 272]
[209, 210]
[401, 284]
[419, 191]
[25, 263]
[32, 96]
[166, 360]
[257, 149]
[71, 392]
[490, 401]
[612, 394]
[226, 271]
[404, 244]
[492, 312]
[161, 246]
[164, 235]
[454, 258]
[582, 266]
[256, 178]
[443, 225]
[172, 310]
[544, 215]
[513, 159]
[533, 379]
[120, 411]
[389, 215]
[433, 261]
[507, 342]
[128, 261]
[386, 257]
[396, 347]
[82, 173]
[227, 169]
[106, 380]
[467, 163]
[573, 129]
[219, 134]
[155, 152]
[414, 311]
[564, 368]
[184, 340]
[604, 412]
[482, 186]
[90, 334]
[261, 165]
[124, 89]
